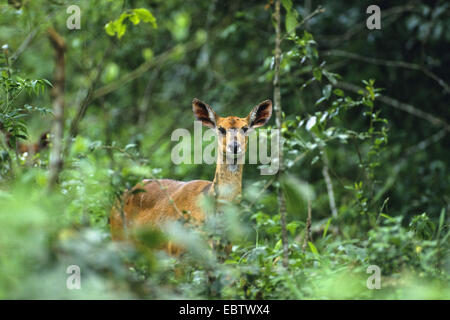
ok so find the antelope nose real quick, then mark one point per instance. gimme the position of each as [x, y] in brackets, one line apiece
[236, 147]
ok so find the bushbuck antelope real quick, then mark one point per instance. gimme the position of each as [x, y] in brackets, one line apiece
[163, 200]
[33, 148]
[24, 147]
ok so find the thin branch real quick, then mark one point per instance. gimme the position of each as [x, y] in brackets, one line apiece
[143, 68]
[169, 128]
[399, 105]
[271, 181]
[30, 37]
[278, 121]
[329, 184]
[308, 227]
[388, 17]
[74, 125]
[391, 63]
[24, 44]
[143, 106]
[422, 145]
[55, 163]
[266, 186]
[318, 10]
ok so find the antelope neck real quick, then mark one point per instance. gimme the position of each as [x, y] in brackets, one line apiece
[227, 183]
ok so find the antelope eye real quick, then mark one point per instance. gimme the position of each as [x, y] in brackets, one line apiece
[244, 129]
[222, 131]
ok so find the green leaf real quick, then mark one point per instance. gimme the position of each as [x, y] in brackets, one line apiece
[134, 18]
[325, 230]
[317, 73]
[110, 29]
[291, 21]
[386, 216]
[321, 99]
[326, 91]
[130, 146]
[146, 16]
[278, 245]
[47, 82]
[311, 123]
[119, 27]
[287, 4]
[292, 227]
[313, 248]
[332, 77]
[441, 222]
[296, 193]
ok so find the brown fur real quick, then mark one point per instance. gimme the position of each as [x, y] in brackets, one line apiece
[33, 148]
[24, 147]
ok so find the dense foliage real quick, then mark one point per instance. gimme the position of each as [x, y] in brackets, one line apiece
[365, 170]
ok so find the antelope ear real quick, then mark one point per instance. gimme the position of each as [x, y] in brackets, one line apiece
[260, 114]
[204, 113]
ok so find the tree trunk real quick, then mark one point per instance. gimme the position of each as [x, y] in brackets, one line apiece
[57, 93]
[278, 122]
